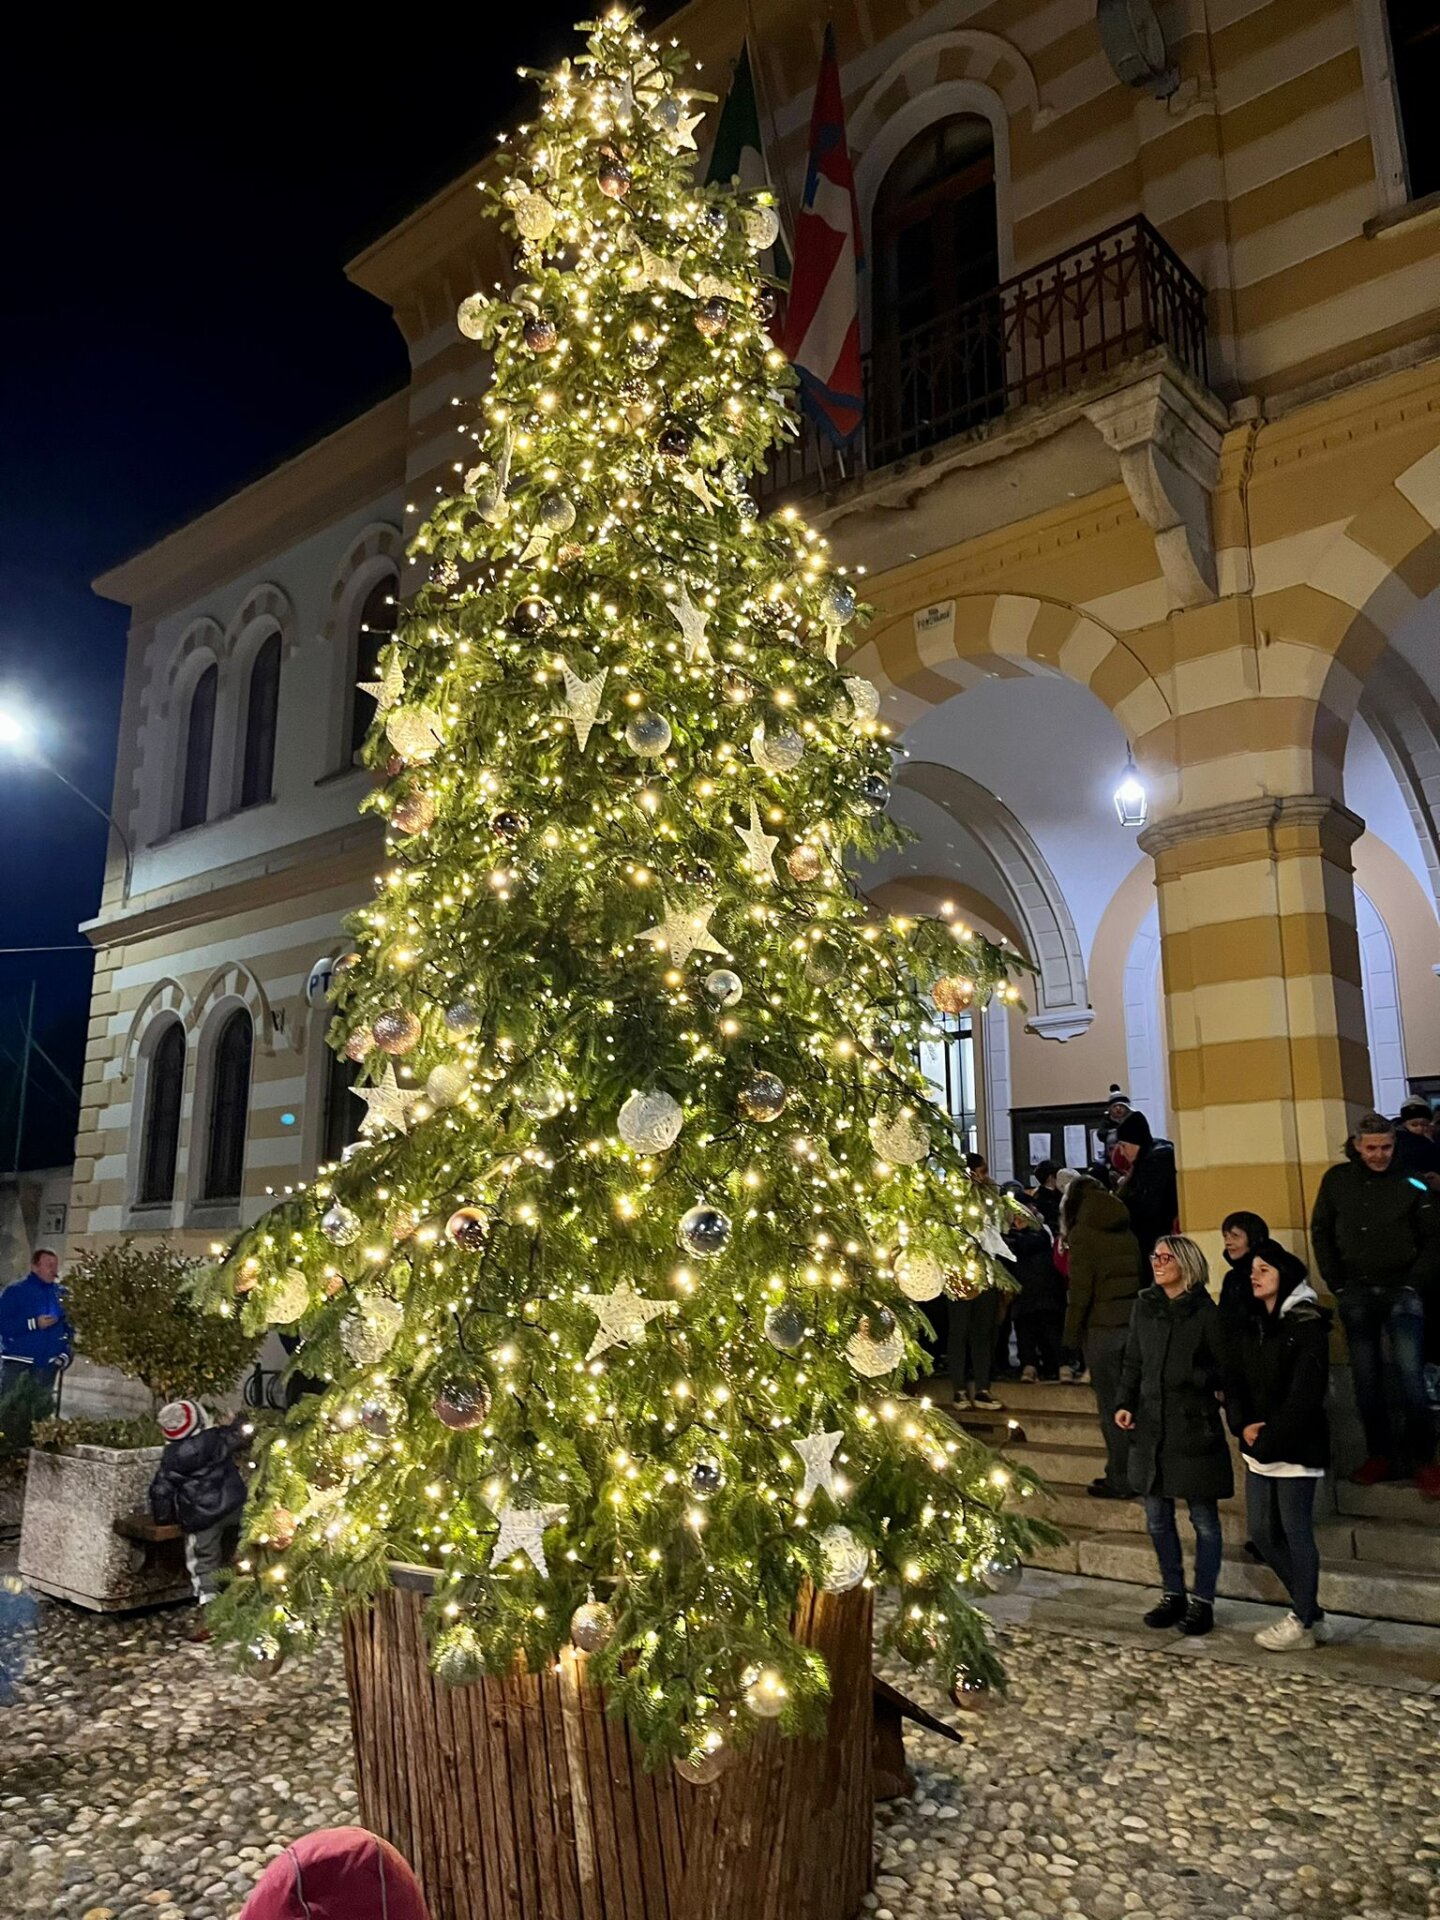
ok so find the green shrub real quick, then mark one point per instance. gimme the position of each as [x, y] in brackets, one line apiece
[131, 1308]
[137, 1430]
[24, 1407]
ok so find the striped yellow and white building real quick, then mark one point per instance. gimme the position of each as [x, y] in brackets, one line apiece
[1211, 535]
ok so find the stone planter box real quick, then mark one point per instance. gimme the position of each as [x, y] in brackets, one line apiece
[68, 1544]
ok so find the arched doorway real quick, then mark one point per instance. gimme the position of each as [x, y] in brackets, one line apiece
[936, 359]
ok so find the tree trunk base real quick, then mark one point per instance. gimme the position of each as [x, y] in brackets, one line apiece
[521, 1798]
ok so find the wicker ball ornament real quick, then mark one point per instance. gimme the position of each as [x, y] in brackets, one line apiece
[395, 1031]
[445, 1085]
[370, 1329]
[874, 1349]
[847, 1560]
[290, 1297]
[901, 1138]
[534, 216]
[470, 316]
[650, 1122]
[762, 228]
[919, 1275]
[414, 732]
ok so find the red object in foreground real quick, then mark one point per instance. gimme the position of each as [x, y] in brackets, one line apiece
[344, 1873]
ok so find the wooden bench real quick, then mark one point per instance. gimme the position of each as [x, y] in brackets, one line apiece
[139, 1526]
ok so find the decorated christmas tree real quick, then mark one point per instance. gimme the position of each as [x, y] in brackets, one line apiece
[614, 1301]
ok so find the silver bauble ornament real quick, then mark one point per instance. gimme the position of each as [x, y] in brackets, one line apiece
[838, 603]
[395, 1031]
[540, 1099]
[784, 1327]
[468, 1228]
[414, 732]
[463, 1404]
[339, 1225]
[648, 734]
[290, 1297]
[706, 1477]
[265, 1656]
[378, 1414]
[778, 752]
[900, 1138]
[874, 1350]
[445, 1085]
[847, 1560]
[723, 988]
[704, 1231]
[557, 513]
[370, 1329]
[1000, 1576]
[762, 228]
[875, 791]
[534, 216]
[592, 1626]
[765, 1693]
[972, 1691]
[650, 1122]
[919, 1275]
[533, 615]
[358, 1044]
[705, 1758]
[470, 316]
[763, 1097]
[492, 505]
[462, 1016]
[712, 317]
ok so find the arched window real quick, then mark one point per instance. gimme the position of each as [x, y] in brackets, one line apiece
[262, 710]
[937, 364]
[229, 1108]
[199, 742]
[160, 1142]
[343, 1112]
[378, 616]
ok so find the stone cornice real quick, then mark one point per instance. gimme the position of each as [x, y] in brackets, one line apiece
[1262, 815]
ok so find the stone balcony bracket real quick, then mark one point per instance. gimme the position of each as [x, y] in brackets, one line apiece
[1065, 1023]
[1168, 443]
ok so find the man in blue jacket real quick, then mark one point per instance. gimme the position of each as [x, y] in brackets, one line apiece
[34, 1332]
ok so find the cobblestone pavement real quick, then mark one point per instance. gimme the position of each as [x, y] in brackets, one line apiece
[140, 1780]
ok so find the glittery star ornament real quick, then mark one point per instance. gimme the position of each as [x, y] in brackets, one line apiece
[817, 1455]
[683, 931]
[759, 846]
[657, 271]
[691, 621]
[623, 1317]
[522, 1531]
[414, 732]
[387, 1104]
[385, 691]
[582, 700]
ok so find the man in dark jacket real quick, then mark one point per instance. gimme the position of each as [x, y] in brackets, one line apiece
[199, 1487]
[1376, 1237]
[1104, 1280]
[1148, 1189]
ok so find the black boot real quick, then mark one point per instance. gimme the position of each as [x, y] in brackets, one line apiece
[1169, 1611]
[1199, 1618]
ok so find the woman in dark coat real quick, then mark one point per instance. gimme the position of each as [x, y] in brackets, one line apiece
[1104, 1280]
[1277, 1376]
[1241, 1233]
[1169, 1403]
[1149, 1187]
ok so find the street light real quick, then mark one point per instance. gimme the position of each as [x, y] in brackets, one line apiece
[20, 738]
[1132, 808]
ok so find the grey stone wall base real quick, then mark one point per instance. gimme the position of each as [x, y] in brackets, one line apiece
[68, 1544]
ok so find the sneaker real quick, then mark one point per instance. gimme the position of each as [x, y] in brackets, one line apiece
[1372, 1471]
[1028, 1376]
[1427, 1481]
[986, 1402]
[1102, 1490]
[1082, 1379]
[1285, 1636]
[1067, 1376]
[1199, 1618]
[961, 1402]
[1168, 1611]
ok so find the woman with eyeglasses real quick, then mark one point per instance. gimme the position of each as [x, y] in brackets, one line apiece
[1169, 1404]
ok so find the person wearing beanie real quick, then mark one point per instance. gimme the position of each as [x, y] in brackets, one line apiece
[1117, 1105]
[1148, 1186]
[199, 1486]
[1376, 1235]
[1417, 1151]
[343, 1873]
[1277, 1374]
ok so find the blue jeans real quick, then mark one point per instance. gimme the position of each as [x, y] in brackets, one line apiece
[1165, 1538]
[1393, 1409]
[1281, 1517]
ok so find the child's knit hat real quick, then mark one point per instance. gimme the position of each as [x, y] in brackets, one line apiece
[181, 1418]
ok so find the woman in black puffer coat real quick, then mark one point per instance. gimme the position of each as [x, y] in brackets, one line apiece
[1277, 1377]
[1169, 1402]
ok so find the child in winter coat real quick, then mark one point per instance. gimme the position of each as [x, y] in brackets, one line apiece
[199, 1487]
[1039, 1307]
[1276, 1378]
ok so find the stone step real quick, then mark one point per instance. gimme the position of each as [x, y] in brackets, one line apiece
[1392, 1500]
[1046, 1396]
[1371, 1589]
[1067, 1428]
[1072, 1508]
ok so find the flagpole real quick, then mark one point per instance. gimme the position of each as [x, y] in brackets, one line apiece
[763, 95]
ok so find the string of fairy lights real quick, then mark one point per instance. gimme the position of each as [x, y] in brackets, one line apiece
[610, 1312]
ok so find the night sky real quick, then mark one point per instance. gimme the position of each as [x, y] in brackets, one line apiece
[177, 321]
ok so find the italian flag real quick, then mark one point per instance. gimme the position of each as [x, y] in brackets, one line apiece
[739, 154]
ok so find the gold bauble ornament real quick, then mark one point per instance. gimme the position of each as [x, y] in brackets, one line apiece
[805, 864]
[414, 812]
[951, 994]
[396, 1030]
[281, 1528]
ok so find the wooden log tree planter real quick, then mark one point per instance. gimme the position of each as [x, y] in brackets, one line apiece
[522, 1798]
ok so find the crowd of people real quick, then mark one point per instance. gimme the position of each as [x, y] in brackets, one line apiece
[1109, 1292]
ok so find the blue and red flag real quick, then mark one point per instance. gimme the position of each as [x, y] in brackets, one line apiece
[822, 325]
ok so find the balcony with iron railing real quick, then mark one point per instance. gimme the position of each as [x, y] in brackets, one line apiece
[1040, 336]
